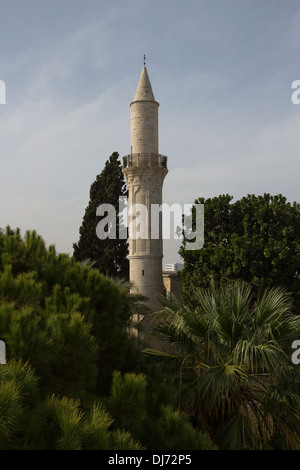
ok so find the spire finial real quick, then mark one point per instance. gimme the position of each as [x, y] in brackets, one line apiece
[144, 60]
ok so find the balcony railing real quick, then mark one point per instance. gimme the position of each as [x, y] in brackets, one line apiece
[145, 160]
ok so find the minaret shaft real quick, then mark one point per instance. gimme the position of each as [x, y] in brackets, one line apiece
[144, 127]
[145, 170]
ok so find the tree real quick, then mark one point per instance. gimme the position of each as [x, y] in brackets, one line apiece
[256, 239]
[232, 364]
[157, 425]
[108, 255]
[65, 327]
[29, 421]
[69, 320]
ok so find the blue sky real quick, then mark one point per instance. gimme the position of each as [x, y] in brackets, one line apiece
[221, 69]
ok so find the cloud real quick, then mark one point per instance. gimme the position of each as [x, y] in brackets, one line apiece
[53, 143]
[222, 74]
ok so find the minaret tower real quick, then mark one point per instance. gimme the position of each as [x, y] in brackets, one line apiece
[145, 170]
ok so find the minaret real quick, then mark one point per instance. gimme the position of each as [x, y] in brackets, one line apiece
[145, 170]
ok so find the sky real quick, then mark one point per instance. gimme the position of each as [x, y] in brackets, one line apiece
[222, 71]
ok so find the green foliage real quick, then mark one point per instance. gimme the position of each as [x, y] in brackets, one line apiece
[255, 239]
[65, 329]
[55, 423]
[179, 434]
[127, 402]
[59, 424]
[10, 411]
[25, 380]
[109, 255]
[66, 318]
[232, 365]
[166, 428]
[122, 440]
[18, 392]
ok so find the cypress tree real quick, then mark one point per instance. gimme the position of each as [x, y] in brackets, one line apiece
[108, 255]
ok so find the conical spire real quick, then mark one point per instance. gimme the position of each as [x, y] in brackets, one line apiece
[144, 88]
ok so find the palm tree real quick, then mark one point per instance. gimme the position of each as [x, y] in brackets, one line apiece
[231, 361]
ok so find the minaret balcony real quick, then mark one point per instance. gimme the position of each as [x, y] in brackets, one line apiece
[145, 160]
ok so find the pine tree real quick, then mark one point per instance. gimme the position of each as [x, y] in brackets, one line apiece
[109, 255]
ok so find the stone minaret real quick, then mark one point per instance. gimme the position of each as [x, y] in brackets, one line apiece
[145, 170]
